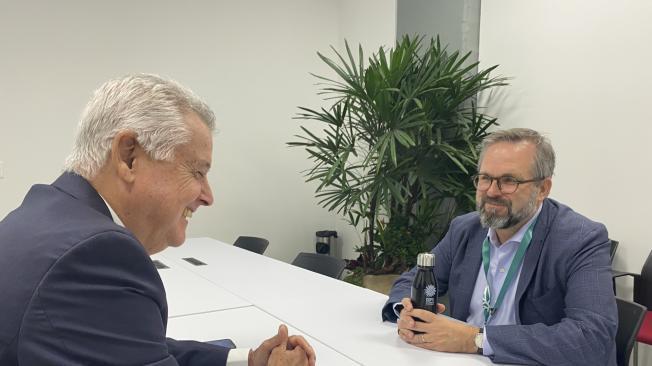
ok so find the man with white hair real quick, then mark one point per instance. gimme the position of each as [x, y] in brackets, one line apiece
[77, 283]
[528, 279]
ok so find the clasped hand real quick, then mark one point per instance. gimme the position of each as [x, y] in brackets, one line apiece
[433, 331]
[281, 350]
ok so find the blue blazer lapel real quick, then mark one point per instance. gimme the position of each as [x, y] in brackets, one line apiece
[472, 262]
[531, 260]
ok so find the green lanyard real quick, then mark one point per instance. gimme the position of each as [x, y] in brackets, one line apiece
[511, 273]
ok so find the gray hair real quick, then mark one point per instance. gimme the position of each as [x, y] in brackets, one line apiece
[544, 160]
[150, 106]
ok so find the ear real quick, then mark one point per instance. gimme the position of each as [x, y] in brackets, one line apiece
[124, 150]
[544, 189]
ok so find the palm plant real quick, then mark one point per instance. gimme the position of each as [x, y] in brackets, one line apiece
[399, 145]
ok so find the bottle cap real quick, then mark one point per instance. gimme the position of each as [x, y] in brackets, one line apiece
[426, 259]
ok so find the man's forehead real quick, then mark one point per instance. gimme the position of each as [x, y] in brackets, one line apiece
[509, 157]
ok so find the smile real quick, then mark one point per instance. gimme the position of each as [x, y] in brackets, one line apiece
[495, 205]
[187, 213]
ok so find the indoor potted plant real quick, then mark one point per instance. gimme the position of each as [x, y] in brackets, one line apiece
[398, 146]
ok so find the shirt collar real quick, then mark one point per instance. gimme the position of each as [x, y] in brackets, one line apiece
[114, 216]
[517, 237]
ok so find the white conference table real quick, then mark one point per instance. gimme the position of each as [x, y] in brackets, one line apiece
[203, 311]
[342, 316]
[189, 294]
[248, 327]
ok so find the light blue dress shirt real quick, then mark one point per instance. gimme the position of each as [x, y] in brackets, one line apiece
[500, 259]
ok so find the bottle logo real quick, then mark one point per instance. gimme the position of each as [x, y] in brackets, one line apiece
[431, 292]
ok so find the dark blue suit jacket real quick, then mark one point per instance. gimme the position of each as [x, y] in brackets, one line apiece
[77, 289]
[566, 310]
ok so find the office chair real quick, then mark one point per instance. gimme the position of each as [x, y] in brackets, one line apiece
[252, 244]
[614, 246]
[643, 296]
[630, 318]
[320, 263]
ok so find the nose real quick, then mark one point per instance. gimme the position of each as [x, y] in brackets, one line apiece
[206, 195]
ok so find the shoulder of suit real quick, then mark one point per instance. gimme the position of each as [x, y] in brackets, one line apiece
[469, 221]
[561, 214]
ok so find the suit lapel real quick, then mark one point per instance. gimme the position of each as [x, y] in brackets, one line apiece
[531, 260]
[472, 262]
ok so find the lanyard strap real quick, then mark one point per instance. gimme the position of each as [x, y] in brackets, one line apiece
[511, 273]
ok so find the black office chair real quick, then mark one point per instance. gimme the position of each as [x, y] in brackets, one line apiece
[320, 263]
[643, 296]
[252, 244]
[630, 318]
[614, 246]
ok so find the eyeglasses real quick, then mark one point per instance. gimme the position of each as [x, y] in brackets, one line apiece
[506, 184]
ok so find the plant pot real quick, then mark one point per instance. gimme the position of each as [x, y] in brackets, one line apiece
[379, 283]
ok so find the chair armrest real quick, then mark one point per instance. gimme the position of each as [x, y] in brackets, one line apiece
[616, 273]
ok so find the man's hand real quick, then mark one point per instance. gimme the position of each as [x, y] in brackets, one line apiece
[296, 341]
[438, 332]
[282, 350]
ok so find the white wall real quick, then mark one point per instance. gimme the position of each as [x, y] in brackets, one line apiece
[249, 59]
[371, 23]
[581, 73]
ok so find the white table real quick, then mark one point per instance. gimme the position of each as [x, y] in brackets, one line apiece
[248, 327]
[187, 293]
[342, 316]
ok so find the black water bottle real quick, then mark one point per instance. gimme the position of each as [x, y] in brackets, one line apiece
[424, 287]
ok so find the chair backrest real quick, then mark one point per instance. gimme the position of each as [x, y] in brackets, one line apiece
[320, 263]
[643, 284]
[630, 318]
[614, 246]
[252, 244]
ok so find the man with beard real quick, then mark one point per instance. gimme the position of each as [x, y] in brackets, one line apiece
[529, 279]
